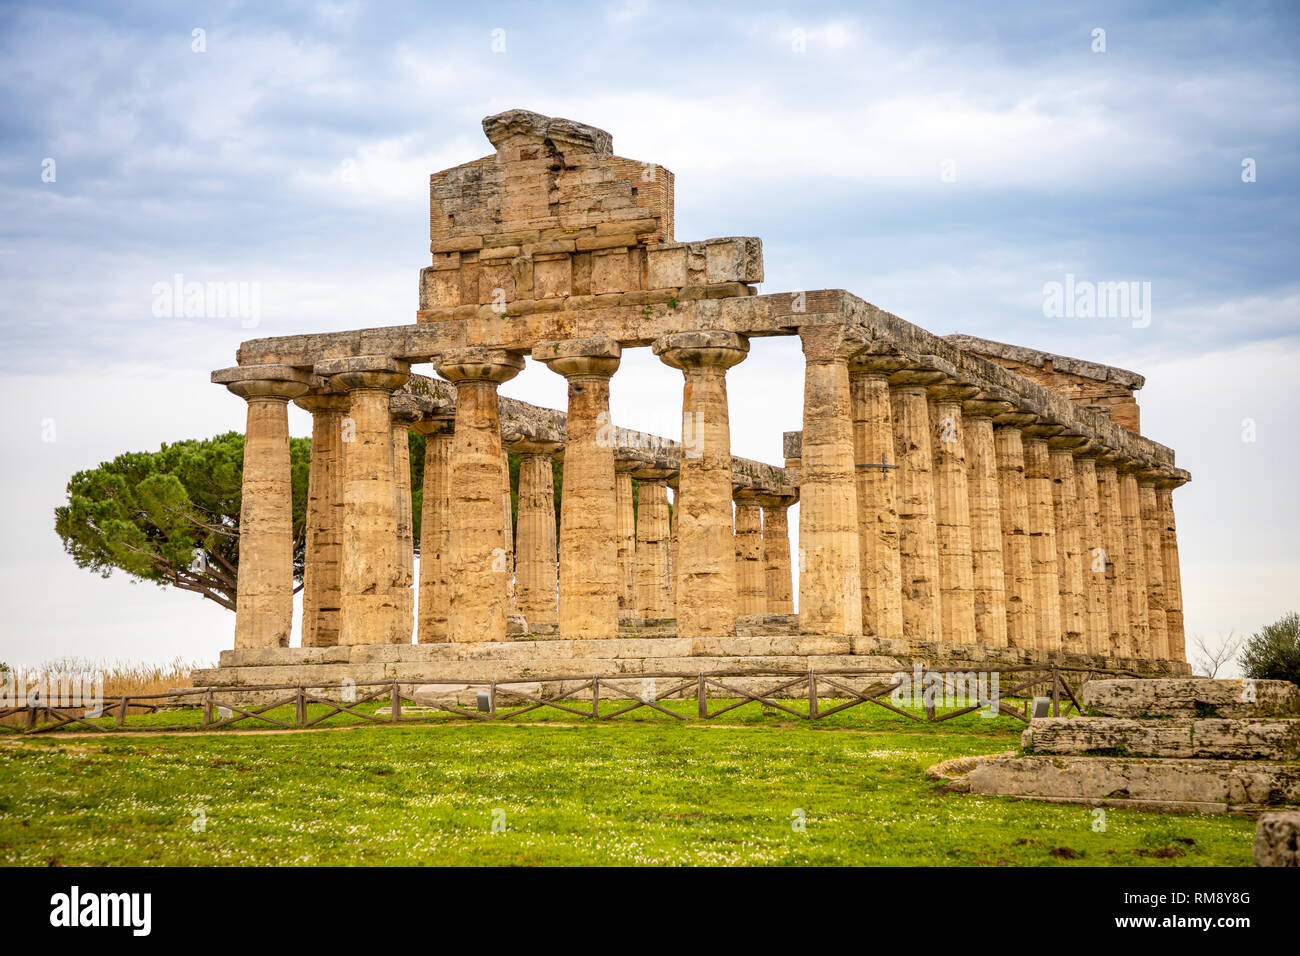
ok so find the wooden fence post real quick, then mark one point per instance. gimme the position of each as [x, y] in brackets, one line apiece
[702, 699]
[812, 695]
[395, 708]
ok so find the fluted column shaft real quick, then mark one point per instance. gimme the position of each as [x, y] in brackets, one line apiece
[1017, 562]
[590, 579]
[435, 531]
[626, 530]
[264, 595]
[776, 555]
[653, 591]
[878, 537]
[478, 596]
[1069, 548]
[1113, 534]
[323, 559]
[404, 414]
[536, 567]
[1135, 578]
[830, 575]
[751, 584]
[1042, 543]
[1153, 556]
[985, 531]
[918, 534]
[1093, 557]
[705, 564]
[1173, 574]
[952, 515]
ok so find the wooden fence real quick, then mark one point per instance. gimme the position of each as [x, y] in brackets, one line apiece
[815, 685]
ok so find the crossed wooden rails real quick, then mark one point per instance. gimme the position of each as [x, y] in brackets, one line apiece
[816, 681]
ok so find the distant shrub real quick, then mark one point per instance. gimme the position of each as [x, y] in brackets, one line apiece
[1273, 652]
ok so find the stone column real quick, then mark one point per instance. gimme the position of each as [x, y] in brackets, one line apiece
[776, 553]
[705, 566]
[1135, 578]
[626, 527]
[1153, 557]
[590, 581]
[370, 558]
[674, 482]
[1112, 535]
[535, 549]
[405, 412]
[1093, 547]
[478, 595]
[952, 512]
[830, 571]
[918, 534]
[985, 522]
[653, 540]
[508, 529]
[1013, 501]
[323, 558]
[751, 583]
[1069, 543]
[873, 454]
[264, 597]
[1169, 563]
[1042, 536]
[435, 530]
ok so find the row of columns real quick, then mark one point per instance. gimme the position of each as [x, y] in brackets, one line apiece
[929, 510]
[976, 523]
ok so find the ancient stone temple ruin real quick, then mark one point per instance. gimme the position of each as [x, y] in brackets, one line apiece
[959, 499]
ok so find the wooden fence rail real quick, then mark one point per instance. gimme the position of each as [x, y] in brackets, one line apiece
[819, 685]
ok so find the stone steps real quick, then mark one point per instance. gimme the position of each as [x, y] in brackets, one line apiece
[1190, 697]
[1209, 738]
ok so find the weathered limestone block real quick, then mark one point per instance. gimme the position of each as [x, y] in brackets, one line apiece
[705, 561]
[985, 524]
[1190, 697]
[776, 555]
[1173, 574]
[1017, 563]
[590, 579]
[405, 412]
[1069, 544]
[508, 532]
[1209, 738]
[1093, 557]
[1152, 554]
[952, 513]
[435, 530]
[878, 537]
[626, 520]
[1135, 578]
[264, 601]
[536, 565]
[1210, 785]
[1042, 540]
[751, 586]
[917, 531]
[323, 563]
[1112, 534]
[1277, 838]
[830, 577]
[653, 540]
[477, 568]
[370, 539]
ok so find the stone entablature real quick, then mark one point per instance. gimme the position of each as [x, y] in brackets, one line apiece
[944, 497]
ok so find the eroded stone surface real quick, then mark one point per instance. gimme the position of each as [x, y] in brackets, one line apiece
[1190, 697]
[1277, 839]
[1211, 737]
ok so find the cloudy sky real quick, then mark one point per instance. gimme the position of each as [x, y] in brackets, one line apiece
[940, 163]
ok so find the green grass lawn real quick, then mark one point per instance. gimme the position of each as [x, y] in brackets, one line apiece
[644, 789]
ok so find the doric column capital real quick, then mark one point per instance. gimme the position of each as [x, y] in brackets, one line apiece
[746, 496]
[1068, 441]
[1091, 448]
[595, 357]
[405, 409]
[913, 377]
[1042, 430]
[955, 392]
[276, 383]
[475, 363]
[535, 447]
[875, 364]
[1015, 419]
[685, 350]
[985, 408]
[826, 344]
[439, 423]
[365, 371]
[653, 474]
[322, 401]
[780, 502]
